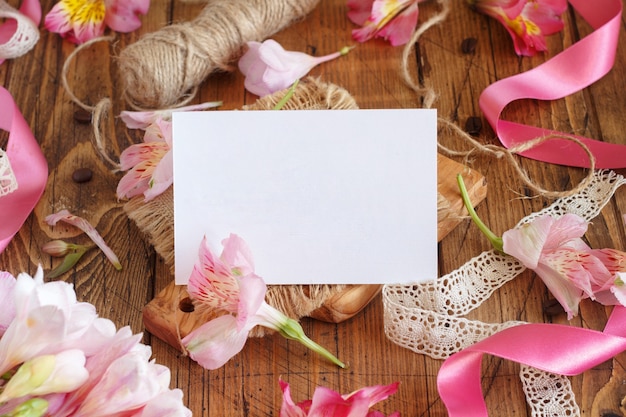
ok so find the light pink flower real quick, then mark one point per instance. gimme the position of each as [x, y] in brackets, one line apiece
[228, 284]
[75, 364]
[326, 402]
[393, 20]
[47, 320]
[82, 20]
[268, 67]
[553, 248]
[85, 226]
[527, 21]
[150, 165]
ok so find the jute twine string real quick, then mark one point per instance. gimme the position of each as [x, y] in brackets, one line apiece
[429, 97]
[99, 111]
[165, 67]
[510, 155]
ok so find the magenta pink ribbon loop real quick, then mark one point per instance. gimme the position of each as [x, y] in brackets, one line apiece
[575, 68]
[29, 167]
[558, 349]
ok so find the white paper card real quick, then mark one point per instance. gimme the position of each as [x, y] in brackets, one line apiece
[320, 196]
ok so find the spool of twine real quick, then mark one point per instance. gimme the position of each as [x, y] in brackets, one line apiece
[164, 68]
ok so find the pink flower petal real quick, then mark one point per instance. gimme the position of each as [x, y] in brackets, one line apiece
[359, 10]
[400, 29]
[136, 181]
[526, 242]
[376, 393]
[121, 15]
[82, 224]
[215, 342]
[288, 407]
[252, 292]
[162, 177]
[619, 288]
[141, 152]
[211, 282]
[237, 254]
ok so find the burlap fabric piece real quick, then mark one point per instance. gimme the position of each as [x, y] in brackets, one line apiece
[156, 217]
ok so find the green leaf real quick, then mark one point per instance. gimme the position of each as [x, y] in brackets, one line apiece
[69, 261]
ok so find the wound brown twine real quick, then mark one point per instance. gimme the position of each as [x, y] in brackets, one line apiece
[164, 68]
[429, 97]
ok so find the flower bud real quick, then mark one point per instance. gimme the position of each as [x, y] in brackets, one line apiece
[56, 248]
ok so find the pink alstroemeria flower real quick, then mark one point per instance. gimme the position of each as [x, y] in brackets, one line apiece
[553, 248]
[228, 284]
[326, 402]
[392, 20]
[82, 20]
[268, 67]
[527, 21]
[150, 165]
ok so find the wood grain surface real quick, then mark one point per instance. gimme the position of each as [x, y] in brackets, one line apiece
[248, 384]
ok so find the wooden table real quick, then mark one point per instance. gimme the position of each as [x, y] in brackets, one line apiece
[248, 384]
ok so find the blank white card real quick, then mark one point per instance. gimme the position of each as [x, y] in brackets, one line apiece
[319, 196]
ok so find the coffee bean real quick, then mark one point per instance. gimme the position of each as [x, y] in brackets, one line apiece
[468, 46]
[473, 125]
[82, 175]
[82, 116]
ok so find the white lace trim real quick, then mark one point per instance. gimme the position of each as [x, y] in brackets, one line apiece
[26, 33]
[8, 182]
[427, 317]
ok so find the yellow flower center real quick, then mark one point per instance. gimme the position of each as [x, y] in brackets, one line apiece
[85, 11]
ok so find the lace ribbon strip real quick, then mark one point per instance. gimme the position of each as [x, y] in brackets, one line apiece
[575, 68]
[428, 319]
[19, 32]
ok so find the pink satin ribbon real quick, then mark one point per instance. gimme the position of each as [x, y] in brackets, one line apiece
[554, 348]
[29, 166]
[27, 161]
[575, 68]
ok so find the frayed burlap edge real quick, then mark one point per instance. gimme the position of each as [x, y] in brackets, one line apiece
[156, 217]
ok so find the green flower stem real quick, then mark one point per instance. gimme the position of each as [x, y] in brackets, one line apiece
[287, 96]
[291, 329]
[495, 240]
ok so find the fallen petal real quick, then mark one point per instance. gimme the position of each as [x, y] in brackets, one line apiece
[84, 225]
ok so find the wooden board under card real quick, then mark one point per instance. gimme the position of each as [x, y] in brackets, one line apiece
[170, 314]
